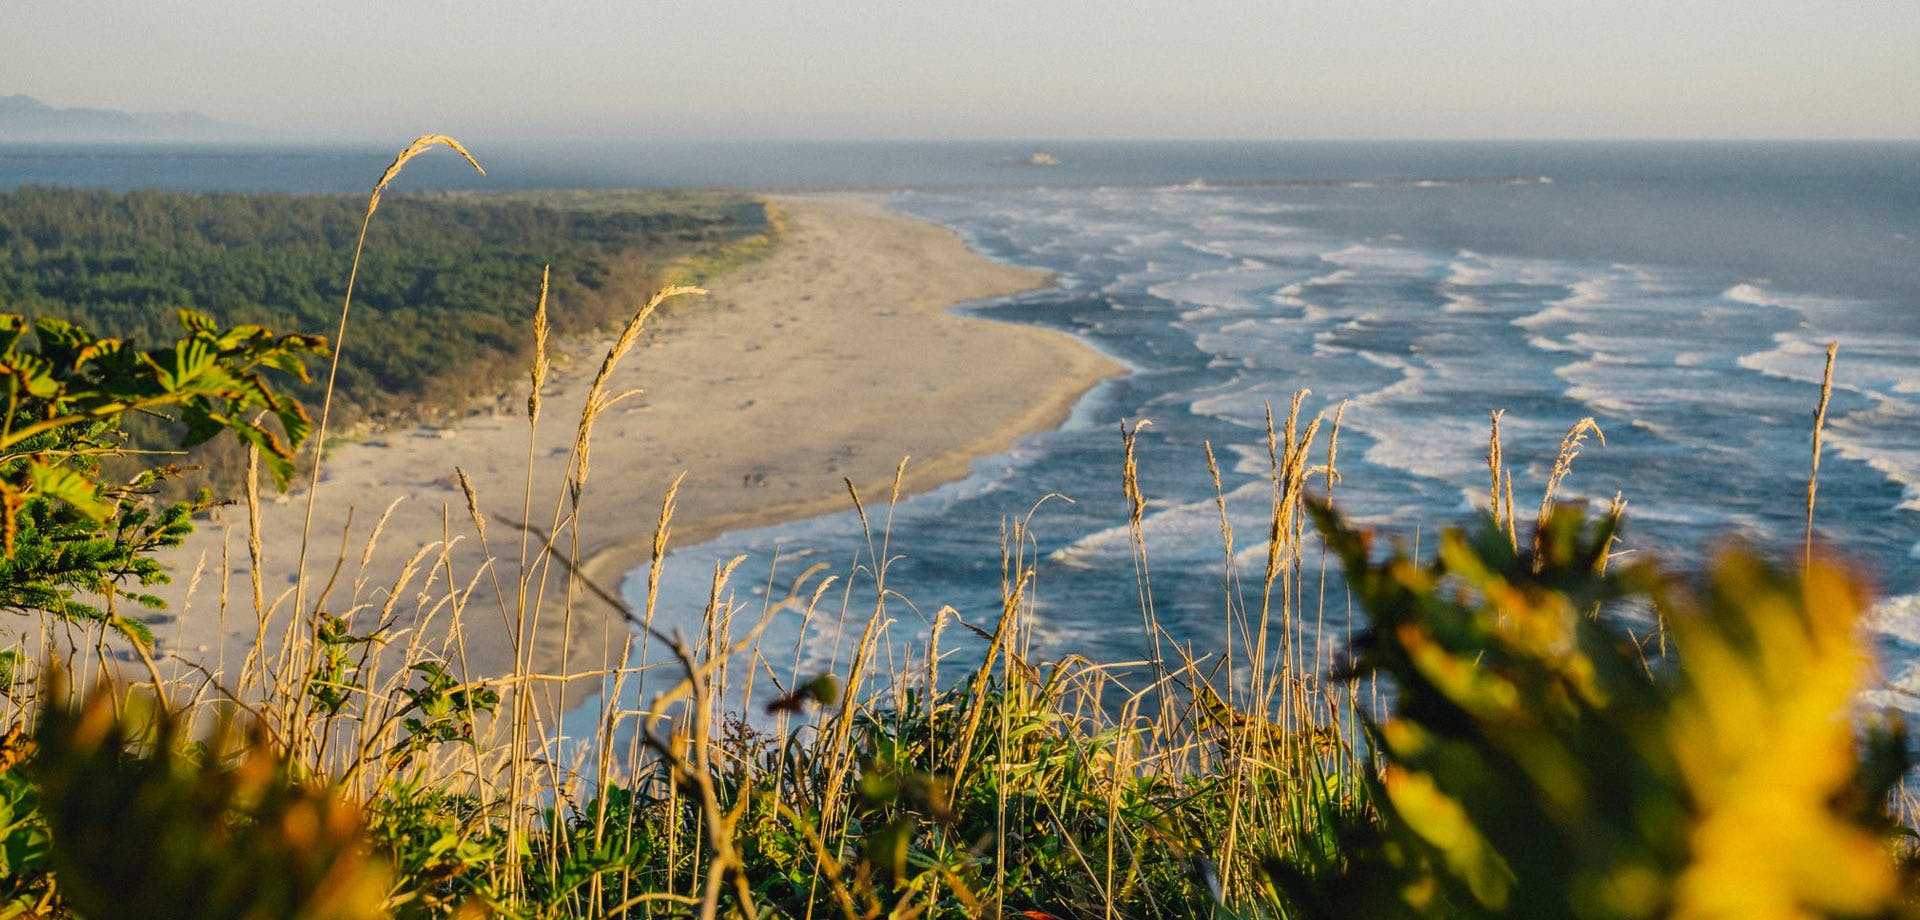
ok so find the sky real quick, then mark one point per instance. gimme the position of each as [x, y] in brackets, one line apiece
[987, 69]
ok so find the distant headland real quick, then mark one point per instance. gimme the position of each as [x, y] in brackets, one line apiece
[26, 119]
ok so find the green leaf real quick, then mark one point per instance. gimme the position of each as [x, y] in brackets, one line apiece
[191, 358]
[66, 485]
[198, 322]
[12, 327]
[134, 630]
[35, 374]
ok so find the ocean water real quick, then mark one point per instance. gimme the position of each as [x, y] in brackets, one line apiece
[1681, 295]
[1681, 298]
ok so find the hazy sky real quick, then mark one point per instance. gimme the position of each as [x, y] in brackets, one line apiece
[989, 69]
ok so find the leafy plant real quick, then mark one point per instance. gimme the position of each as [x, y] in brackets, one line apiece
[337, 652]
[1538, 761]
[26, 861]
[64, 529]
[440, 710]
[443, 850]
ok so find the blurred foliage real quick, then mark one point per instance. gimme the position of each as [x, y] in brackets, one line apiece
[1538, 757]
[1537, 760]
[146, 824]
[26, 857]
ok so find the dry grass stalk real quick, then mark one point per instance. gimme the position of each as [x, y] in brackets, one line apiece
[536, 562]
[537, 374]
[1513, 533]
[1235, 611]
[1273, 524]
[1616, 511]
[1142, 572]
[1493, 464]
[1329, 474]
[1332, 470]
[1819, 424]
[1563, 465]
[419, 146]
[597, 398]
[1500, 498]
[1289, 467]
[254, 567]
[656, 567]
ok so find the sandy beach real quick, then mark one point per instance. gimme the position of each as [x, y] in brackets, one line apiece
[829, 360]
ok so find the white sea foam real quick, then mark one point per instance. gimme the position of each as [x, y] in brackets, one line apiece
[1391, 362]
[1542, 343]
[1605, 349]
[1275, 207]
[1464, 272]
[1660, 353]
[1886, 438]
[1208, 247]
[1429, 444]
[1146, 240]
[1582, 296]
[1794, 357]
[1447, 449]
[1604, 403]
[1876, 364]
[1208, 293]
[1245, 400]
[1872, 363]
[1382, 259]
[1814, 308]
[1317, 315]
[1289, 295]
[1757, 293]
[1897, 619]
[1185, 530]
[1519, 270]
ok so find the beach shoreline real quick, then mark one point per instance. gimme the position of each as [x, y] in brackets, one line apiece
[822, 364]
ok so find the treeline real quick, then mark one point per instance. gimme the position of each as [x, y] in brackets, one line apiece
[446, 286]
[444, 289]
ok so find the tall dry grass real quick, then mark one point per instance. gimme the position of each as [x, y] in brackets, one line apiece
[360, 678]
[959, 774]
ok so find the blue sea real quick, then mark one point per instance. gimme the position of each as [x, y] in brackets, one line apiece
[1681, 295]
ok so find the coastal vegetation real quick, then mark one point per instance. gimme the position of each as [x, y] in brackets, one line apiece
[442, 286]
[1529, 727]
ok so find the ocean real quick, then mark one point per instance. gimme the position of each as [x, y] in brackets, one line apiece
[1682, 295]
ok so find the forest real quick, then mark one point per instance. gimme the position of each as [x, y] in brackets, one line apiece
[446, 287]
[446, 284]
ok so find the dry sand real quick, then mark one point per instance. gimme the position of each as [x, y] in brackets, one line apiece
[833, 358]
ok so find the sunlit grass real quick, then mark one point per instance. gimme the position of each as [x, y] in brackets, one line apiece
[963, 775]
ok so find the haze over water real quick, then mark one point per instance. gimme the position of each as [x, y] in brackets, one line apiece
[1681, 294]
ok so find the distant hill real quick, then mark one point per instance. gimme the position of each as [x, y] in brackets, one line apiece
[24, 118]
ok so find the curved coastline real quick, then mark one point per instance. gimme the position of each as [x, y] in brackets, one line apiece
[825, 362]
